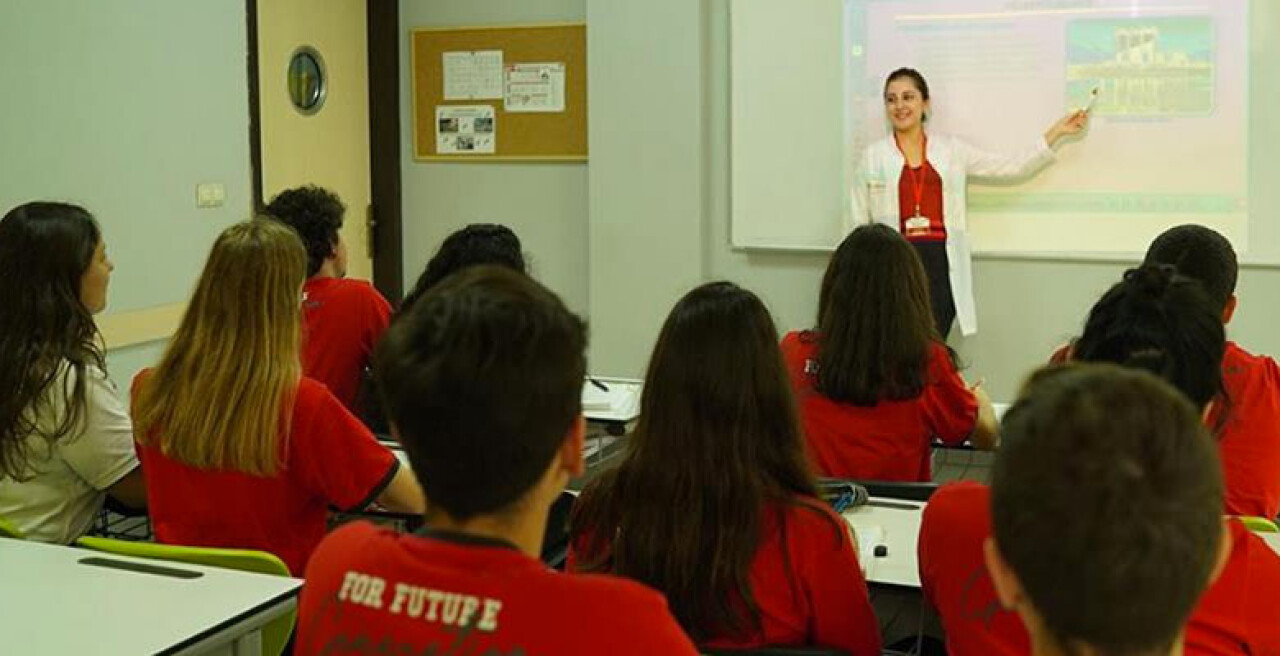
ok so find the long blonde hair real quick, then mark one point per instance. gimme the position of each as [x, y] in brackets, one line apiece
[222, 395]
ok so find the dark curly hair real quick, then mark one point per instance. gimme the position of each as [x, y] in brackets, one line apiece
[45, 329]
[316, 214]
[478, 243]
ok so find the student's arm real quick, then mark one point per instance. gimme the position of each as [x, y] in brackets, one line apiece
[403, 494]
[953, 411]
[842, 614]
[103, 455]
[986, 429]
[130, 490]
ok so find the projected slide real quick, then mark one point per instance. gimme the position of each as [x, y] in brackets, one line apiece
[1169, 137]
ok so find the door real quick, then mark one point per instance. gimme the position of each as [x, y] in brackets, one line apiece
[330, 147]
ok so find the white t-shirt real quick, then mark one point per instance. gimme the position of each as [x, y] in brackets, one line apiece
[66, 487]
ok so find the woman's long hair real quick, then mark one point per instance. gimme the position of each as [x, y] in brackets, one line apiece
[717, 444]
[222, 395]
[875, 327]
[45, 249]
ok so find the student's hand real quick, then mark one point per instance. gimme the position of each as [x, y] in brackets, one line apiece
[986, 429]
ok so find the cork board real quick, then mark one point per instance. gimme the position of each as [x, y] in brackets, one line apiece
[518, 136]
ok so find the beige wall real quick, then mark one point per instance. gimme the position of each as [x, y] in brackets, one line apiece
[330, 148]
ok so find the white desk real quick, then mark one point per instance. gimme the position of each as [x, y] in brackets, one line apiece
[51, 603]
[619, 403]
[895, 524]
[1272, 540]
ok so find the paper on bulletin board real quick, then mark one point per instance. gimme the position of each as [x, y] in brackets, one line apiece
[473, 75]
[535, 87]
[465, 130]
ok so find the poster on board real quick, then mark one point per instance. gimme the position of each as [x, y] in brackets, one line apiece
[465, 130]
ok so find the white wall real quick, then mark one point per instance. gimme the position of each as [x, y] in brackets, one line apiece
[660, 222]
[544, 203]
[124, 107]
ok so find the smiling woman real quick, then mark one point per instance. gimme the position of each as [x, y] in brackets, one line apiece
[916, 185]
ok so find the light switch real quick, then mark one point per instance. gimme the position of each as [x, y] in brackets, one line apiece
[210, 194]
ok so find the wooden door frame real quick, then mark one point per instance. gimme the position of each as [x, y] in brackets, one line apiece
[385, 232]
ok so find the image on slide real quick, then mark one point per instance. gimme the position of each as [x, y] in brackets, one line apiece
[1148, 67]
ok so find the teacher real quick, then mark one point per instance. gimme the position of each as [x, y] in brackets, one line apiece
[915, 183]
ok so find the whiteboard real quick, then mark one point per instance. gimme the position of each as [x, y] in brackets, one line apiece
[805, 82]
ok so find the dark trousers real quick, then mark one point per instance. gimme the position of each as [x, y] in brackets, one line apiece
[933, 254]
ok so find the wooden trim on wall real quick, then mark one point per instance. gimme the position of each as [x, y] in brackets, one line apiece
[140, 326]
[384, 148]
[255, 112]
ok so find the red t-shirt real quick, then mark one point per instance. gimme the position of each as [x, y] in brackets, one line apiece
[806, 582]
[889, 441]
[370, 589]
[1236, 615]
[330, 459]
[342, 320]
[927, 181]
[1249, 438]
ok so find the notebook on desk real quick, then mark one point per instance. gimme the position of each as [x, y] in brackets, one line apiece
[611, 399]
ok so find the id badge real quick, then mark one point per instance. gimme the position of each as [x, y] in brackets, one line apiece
[917, 226]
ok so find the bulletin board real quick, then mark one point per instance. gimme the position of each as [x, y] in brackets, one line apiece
[543, 135]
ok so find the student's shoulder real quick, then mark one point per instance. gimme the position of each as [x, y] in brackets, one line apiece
[350, 544]
[601, 600]
[1236, 359]
[959, 504]
[353, 290]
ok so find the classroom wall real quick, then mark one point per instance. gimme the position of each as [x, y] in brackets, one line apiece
[124, 107]
[659, 200]
[545, 203]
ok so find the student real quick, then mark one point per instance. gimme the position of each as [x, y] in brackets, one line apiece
[1106, 504]
[65, 439]
[239, 449]
[714, 504]
[478, 243]
[874, 382]
[342, 318]
[1247, 416]
[1151, 320]
[482, 378]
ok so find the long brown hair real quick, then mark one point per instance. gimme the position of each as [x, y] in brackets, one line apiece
[874, 323]
[45, 328]
[222, 395]
[717, 441]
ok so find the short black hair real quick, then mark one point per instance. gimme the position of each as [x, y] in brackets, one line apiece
[316, 214]
[1158, 320]
[482, 380]
[1202, 254]
[478, 243]
[1107, 504]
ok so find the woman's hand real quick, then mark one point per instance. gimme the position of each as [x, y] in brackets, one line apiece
[1073, 123]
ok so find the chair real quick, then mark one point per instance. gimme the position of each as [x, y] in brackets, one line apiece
[555, 542]
[8, 530]
[1259, 525]
[275, 634]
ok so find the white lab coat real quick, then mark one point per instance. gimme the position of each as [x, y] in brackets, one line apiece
[875, 198]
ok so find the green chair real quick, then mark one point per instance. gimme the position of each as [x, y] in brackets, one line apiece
[8, 530]
[275, 635]
[1259, 525]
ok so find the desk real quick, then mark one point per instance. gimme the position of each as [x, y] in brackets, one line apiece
[1272, 540]
[53, 604]
[896, 525]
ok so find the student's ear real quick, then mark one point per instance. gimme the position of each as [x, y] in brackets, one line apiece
[571, 450]
[1005, 582]
[1230, 310]
[1225, 545]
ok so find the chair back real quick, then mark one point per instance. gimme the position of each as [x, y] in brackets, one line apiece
[9, 530]
[775, 651]
[275, 634]
[1259, 525]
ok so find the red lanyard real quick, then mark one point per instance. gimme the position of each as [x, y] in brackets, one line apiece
[917, 184]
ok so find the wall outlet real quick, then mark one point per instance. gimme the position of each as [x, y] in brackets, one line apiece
[210, 194]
